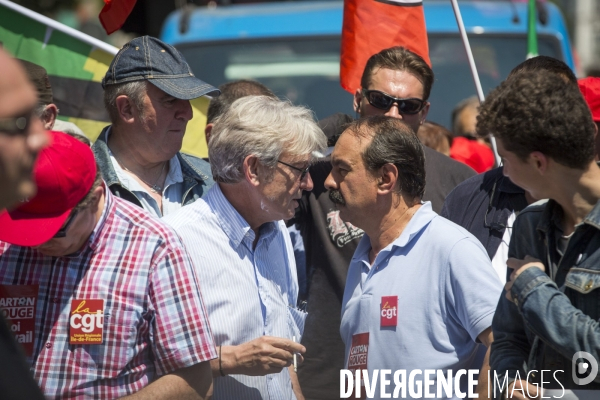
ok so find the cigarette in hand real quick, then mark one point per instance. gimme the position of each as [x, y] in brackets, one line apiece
[295, 356]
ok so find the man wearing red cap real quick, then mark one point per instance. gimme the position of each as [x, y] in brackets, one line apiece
[101, 295]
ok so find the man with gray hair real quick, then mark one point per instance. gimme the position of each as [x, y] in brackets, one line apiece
[147, 89]
[260, 151]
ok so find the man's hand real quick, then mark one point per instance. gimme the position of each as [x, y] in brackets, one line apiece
[518, 266]
[523, 390]
[261, 356]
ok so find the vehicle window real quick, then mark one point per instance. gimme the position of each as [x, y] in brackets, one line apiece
[306, 70]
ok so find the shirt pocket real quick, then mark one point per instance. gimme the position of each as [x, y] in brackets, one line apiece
[119, 338]
[583, 280]
[297, 320]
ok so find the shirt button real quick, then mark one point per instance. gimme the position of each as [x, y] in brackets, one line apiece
[589, 285]
[55, 300]
[48, 345]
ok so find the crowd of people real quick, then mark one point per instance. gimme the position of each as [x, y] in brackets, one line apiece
[129, 269]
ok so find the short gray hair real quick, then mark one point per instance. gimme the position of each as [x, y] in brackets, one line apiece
[263, 127]
[134, 90]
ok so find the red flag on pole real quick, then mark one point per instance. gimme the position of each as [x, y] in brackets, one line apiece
[373, 25]
[115, 12]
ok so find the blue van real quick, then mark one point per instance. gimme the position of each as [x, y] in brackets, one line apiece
[294, 47]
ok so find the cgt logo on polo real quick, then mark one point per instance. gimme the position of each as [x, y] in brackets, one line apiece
[389, 311]
[86, 321]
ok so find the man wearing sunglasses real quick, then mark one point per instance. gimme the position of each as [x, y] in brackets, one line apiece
[395, 82]
[260, 151]
[21, 138]
[101, 295]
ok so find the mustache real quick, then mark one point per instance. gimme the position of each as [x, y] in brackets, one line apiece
[336, 197]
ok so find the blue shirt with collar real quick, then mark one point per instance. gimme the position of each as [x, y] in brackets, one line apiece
[447, 293]
[248, 292]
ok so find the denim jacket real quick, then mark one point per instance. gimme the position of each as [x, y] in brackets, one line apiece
[196, 174]
[555, 313]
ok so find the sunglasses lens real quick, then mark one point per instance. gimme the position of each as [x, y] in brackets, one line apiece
[410, 106]
[379, 100]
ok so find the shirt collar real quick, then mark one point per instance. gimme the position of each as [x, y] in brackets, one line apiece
[419, 220]
[174, 174]
[231, 221]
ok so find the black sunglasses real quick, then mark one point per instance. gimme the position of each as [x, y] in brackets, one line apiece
[16, 125]
[63, 231]
[303, 171]
[383, 101]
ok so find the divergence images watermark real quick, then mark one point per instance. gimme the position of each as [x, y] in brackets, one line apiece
[461, 384]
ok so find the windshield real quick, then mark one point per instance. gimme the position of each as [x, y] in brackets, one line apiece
[306, 70]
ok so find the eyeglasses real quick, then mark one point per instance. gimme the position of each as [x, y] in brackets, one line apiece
[383, 101]
[303, 171]
[63, 231]
[17, 125]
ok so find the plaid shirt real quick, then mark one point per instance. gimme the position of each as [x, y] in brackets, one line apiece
[154, 318]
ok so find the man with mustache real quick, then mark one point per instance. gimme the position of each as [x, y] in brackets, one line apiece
[396, 82]
[421, 292]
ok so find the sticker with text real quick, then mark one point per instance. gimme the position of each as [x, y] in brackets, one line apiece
[86, 321]
[18, 304]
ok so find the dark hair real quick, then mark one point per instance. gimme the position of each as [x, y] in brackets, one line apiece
[433, 135]
[545, 63]
[399, 59]
[230, 92]
[394, 142]
[539, 111]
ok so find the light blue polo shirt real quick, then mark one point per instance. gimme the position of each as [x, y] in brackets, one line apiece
[447, 293]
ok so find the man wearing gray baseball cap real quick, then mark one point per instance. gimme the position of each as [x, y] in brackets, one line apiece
[147, 89]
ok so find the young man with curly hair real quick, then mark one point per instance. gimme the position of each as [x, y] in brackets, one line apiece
[549, 315]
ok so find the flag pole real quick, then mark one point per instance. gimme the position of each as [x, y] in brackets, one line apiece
[60, 27]
[465, 39]
[532, 43]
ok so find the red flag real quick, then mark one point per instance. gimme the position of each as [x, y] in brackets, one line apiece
[373, 25]
[114, 14]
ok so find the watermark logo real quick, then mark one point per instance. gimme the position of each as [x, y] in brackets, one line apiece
[580, 368]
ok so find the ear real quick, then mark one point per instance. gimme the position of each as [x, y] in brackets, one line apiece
[208, 131]
[540, 161]
[424, 113]
[251, 167]
[126, 108]
[387, 179]
[50, 113]
[98, 194]
[357, 100]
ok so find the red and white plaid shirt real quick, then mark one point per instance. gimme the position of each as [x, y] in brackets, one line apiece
[154, 317]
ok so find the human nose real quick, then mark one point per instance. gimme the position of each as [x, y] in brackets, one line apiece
[307, 182]
[185, 110]
[393, 111]
[330, 182]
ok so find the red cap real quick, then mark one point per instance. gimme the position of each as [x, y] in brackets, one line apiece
[64, 173]
[590, 88]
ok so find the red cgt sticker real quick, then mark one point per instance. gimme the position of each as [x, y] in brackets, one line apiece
[86, 321]
[389, 311]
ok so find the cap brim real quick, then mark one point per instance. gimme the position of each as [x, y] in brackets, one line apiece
[26, 229]
[185, 88]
